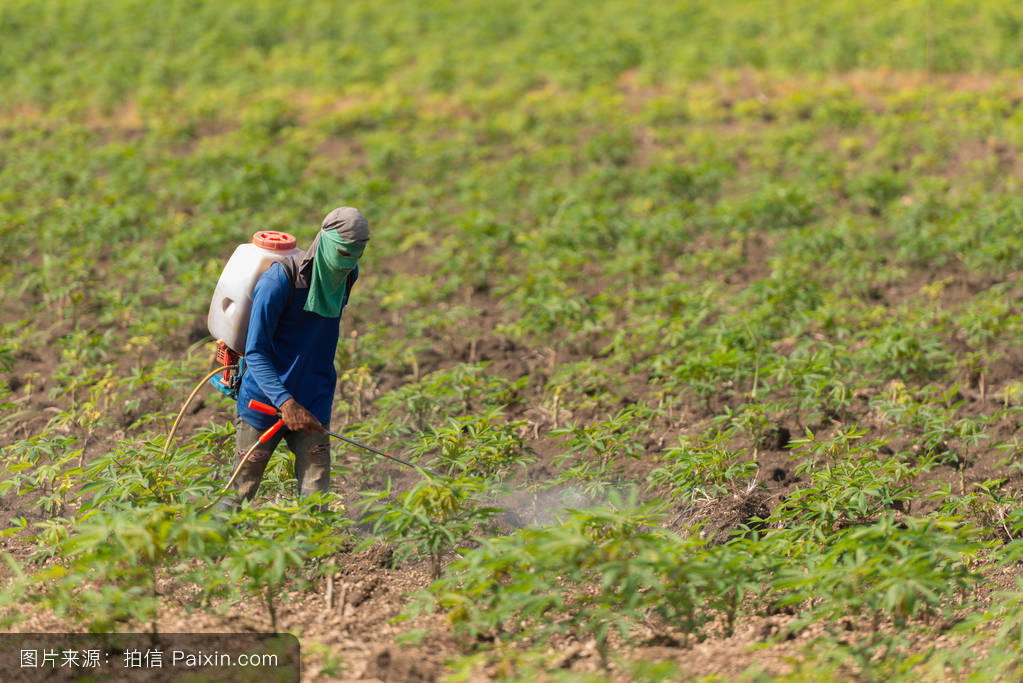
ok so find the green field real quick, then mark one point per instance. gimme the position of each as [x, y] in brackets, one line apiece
[710, 312]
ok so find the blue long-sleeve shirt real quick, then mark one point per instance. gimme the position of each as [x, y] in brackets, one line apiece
[289, 353]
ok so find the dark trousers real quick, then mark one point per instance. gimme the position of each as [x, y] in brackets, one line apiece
[312, 460]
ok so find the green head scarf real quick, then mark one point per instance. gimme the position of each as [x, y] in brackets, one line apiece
[344, 230]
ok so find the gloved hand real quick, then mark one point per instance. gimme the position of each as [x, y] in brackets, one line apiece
[298, 419]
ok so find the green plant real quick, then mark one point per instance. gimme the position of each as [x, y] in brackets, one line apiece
[432, 517]
[850, 483]
[590, 461]
[479, 446]
[44, 465]
[597, 571]
[111, 562]
[697, 469]
[895, 569]
[443, 394]
[278, 546]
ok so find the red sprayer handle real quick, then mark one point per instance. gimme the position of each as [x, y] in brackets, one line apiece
[269, 410]
[261, 407]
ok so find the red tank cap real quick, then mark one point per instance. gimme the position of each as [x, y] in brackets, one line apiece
[274, 240]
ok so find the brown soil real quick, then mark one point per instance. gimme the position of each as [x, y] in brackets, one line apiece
[369, 592]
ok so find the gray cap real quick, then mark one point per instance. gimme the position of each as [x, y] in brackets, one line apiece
[350, 224]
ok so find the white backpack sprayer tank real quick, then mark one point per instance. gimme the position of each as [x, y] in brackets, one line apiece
[228, 319]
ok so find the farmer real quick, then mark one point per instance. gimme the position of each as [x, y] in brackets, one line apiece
[289, 358]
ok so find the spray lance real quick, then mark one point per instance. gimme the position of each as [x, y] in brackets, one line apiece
[270, 410]
[269, 434]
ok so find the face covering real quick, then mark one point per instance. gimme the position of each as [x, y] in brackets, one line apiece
[330, 273]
